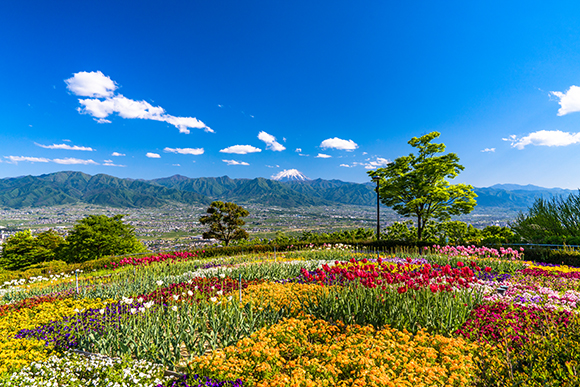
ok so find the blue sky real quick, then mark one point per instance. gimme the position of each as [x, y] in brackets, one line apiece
[247, 89]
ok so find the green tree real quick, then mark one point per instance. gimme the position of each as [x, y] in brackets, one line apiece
[22, 249]
[550, 220]
[415, 185]
[224, 221]
[97, 236]
[18, 251]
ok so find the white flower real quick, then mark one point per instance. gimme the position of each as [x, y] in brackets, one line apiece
[190, 293]
[141, 309]
[102, 311]
[230, 298]
[222, 275]
[213, 299]
[140, 300]
[149, 304]
[174, 308]
[176, 297]
[159, 283]
[133, 310]
[219, 292]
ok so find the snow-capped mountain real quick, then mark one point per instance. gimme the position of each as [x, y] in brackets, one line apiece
[289, 175]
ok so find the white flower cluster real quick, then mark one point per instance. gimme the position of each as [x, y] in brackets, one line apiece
[336, 246]
[32, 280]
[94, 370]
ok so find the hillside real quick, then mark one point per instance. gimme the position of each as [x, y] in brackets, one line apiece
[74, 187]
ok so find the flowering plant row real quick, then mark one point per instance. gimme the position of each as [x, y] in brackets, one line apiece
[405, 276]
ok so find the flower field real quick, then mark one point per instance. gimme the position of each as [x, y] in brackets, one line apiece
[320, 317]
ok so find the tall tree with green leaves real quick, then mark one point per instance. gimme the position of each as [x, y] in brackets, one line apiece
[416, 185]
[23, 249]
[224, 221]
[97, 236]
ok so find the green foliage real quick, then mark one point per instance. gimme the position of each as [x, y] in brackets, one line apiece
[224, 221]
[416, 186]
[413, 310]
[17, 251]
[452, 232]
[550, 358]
[22, 249]
[556, 220]
[97, 236]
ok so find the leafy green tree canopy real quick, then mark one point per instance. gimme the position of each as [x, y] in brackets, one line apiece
[224, 221]
[22, 249]
[97, 236]
[416, 185]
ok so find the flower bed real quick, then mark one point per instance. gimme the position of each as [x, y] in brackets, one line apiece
[327, 317]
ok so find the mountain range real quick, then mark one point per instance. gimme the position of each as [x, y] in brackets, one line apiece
[76, 187]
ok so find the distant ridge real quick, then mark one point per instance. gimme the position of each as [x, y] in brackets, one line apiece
[291, 190]
[74, 187]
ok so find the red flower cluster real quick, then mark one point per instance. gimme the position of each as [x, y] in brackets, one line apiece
[516, 323]
[196, 290]
[371, 275]
[144, 261]
[28, 303]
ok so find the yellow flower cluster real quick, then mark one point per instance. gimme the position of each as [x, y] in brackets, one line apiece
[561, 269]
[280, 295]
[16, 353]
[308, 352]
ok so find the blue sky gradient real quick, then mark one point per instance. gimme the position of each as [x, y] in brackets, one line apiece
[329, 88]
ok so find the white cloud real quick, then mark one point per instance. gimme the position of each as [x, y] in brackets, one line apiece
[185, 151]
[298, 150]
[16, 159]
[66, 147]
[271, 142]
[94, 84]
[67, 160]
[488, 150]
[377, 163]
[323, 156]
[103, 121]
[240, 149]
[104, 102]
[544, 138]
[117, 154]
[153, 155]
[234, 162]
[73, 161]
[107, 161]
[569, 101]
[111, 164]
[176, 165]
[337, 143]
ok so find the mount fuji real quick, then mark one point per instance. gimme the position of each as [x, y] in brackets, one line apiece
[290, 175]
